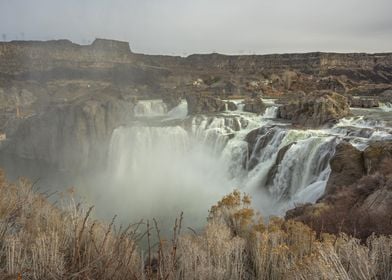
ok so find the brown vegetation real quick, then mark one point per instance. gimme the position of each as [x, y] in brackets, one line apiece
[40, 241]
[359, 210]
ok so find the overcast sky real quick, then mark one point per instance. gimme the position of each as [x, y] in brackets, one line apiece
[203, 26]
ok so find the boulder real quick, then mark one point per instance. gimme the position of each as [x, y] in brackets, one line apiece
[279, 158]
[231, 106]
[364, 102]
[199, 103]
[347, 167]
[254, 105]
[375, 154]
[171, 100]
[316, 109]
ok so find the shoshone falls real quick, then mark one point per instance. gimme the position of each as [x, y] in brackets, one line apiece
[173, 162]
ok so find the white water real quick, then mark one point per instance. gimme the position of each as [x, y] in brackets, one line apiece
[359, 121]
[359, 130]
[161, 171]
[179, 112]
[271, 112]
[150, 108]
[158, 171]
[386, 107]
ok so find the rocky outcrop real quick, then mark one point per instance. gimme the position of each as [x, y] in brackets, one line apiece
[200, 103]
[316, 110]
[375, 154]
[257, 140]
[358, 196]
[231, 106]
[364, 102]
[254, 105]
[171, 99]
[48, 80]
[273, 171]
[73, 136]
[347, 166]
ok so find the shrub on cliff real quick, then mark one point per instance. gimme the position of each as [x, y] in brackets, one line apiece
[41, 241]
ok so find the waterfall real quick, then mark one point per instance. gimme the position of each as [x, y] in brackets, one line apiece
[271, 112]
[303, 164]
[192, 164]
[150, 108]
[386, 107]
[360, 121]
[287, 163]
[189, 167]
[180, 111]
[165, 168]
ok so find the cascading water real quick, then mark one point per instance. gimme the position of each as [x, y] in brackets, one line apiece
[302, 165]
[191, 162]
[150, 108]
[271, 112]
[166, 169]
[386, 107]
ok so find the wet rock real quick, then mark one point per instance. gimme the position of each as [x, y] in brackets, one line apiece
[199, 103]
[375, 154]
[171, 100]
[254, 105]
[71, 137]
[231, 106]
[347, 167]
[358, 197]
[364, 102]
[282, 152]
[316, 109]
[257, 140]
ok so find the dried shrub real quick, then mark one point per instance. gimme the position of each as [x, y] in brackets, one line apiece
[40, 241]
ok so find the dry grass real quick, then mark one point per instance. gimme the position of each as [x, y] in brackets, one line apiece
[40, 241]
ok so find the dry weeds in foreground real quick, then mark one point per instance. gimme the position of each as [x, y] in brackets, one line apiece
[40, 241]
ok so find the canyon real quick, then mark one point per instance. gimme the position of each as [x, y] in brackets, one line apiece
[178, 133]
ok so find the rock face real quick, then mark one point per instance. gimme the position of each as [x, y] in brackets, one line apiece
[315, 110]
[347, 166]
[231, 106]
[171, 100]
[358, 196]
[254, 105]
[375, 154]
[72, 137]
[41, 83]
[201, 103]
[364, 102]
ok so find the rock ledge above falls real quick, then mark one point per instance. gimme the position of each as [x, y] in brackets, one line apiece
[315, 110]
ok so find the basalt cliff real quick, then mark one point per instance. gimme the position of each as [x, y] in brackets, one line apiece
[60, 101]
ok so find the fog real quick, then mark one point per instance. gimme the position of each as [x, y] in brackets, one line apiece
[226, 26]
[158, 172]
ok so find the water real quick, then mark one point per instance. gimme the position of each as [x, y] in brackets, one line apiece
[192, 164]
[150, 108]
[386, 107]
[161, 171]
[167, 162]
[271, 112]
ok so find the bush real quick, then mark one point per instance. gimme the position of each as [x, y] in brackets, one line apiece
[41, 241]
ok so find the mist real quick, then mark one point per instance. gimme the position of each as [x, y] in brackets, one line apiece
[159, 172]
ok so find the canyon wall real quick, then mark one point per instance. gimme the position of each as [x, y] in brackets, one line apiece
[60, 101]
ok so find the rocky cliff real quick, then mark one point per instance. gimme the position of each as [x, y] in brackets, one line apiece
[316, 109]
[68, 98]
[71, 137]
[358, 196]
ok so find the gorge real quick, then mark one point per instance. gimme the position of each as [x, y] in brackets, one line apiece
[150, 136]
